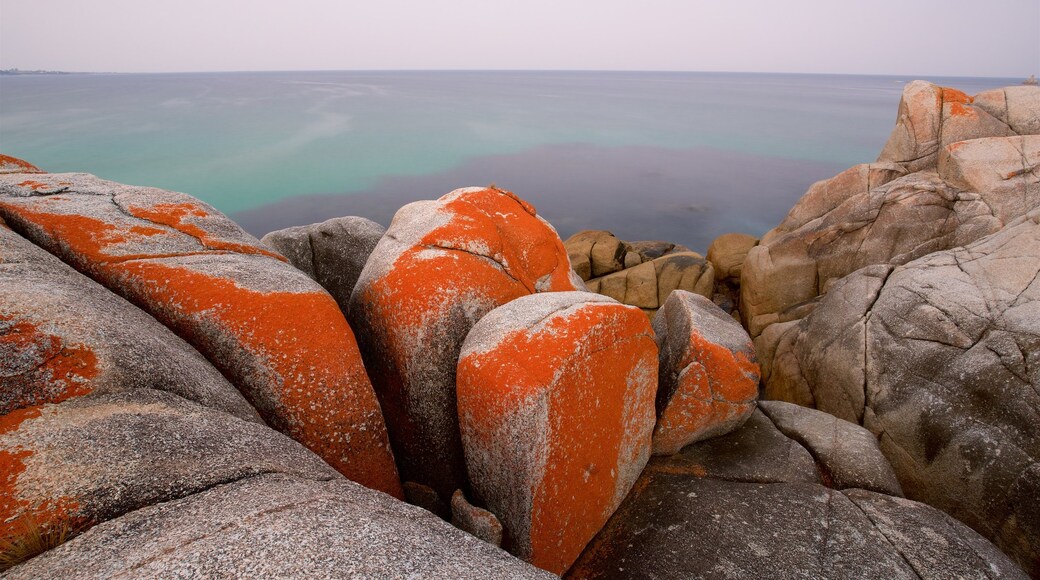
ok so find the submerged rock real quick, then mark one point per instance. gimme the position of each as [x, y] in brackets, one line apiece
[555, 398]
[440, 267]
[276, 334]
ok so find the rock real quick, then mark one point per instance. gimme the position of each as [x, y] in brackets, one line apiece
[1016, 107]
[826, 195]
[938, 357]
[438, 269]
[1005, 171]
[332, 253]
[555, 398]
[278, 526]
[425, 497]
[676, 526]
[708, 372]
[848, 455]
[755, 452]
[475, 521]
[95, 457]
[727, 252]
[634, 286]
[649, 284]
[10, 164]
[62, 335]
[599, 249]
[653, 249]
[273, 332]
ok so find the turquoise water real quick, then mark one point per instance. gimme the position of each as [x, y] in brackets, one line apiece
[677, 156]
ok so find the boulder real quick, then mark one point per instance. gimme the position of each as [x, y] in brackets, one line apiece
[273, 332]
[708, 372]
[1005, 171]
[555, 399]
[332, 252]
[278, 526]
[727, 252]
[649, 284]
[475, 521]
[94, 457]
[937, 358]
[438, 269]
[1018, 107]
[62, 335]
[652, 249]
[10, 164]
[595, 253]
[847, 454]
[677, 526]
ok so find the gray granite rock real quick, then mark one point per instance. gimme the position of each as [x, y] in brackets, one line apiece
[63, 335]
[676, 526]
[277, 526]
[332, 252]
[847, 454]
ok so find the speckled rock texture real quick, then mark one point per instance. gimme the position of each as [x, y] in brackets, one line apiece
[708, 372]
[62, 335]
[475, 521]
[438, 269]
[95, 457]
[555, 398]
[676, 526]
[10, 164]
[847, 454]
[332, 252]
[939, 359]
[921, 196]
[278, 526]
[273, 332]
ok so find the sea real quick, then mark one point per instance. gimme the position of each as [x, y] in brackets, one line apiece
[680, 157]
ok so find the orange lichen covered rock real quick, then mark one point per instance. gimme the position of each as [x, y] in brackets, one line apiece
[556, 396]
[95, 457]
[708, 373]
[438, 269]
[273, 332]
[62, 335]
[10, 164]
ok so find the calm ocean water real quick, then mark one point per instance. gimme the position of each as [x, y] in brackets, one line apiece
[674, 156]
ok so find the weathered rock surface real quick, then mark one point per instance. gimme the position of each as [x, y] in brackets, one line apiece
[332, 252]
[555, 399]
[277, 335]
[595, 253]
[10, 164]
[62, 335]
[278, 526]
[652, 249]
[847, 454]
[939, 358]
[708, 373]
[952, 172]
[676, 526]
[727, 252]
[649, 284]
[95, 457]
[438, 269]
[475, 521]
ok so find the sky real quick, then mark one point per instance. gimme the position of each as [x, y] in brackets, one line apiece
[998, 38]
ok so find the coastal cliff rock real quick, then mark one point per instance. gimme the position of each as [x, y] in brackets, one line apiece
[708, 373]
[556, 409]
[332, 252]
[278, 526]
[751, 504]
[62, 335]
[938, 358]
[441, 266]
[276, 334]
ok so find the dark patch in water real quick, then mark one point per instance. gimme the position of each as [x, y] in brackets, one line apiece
[686, 196]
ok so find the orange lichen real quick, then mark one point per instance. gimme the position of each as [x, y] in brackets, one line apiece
[296, 344]
[34, 185]
[7, 162]
[66, 370]
[581, 365]
[179, 215]
[958, 101]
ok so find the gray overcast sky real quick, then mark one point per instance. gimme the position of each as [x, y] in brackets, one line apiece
[906, 37]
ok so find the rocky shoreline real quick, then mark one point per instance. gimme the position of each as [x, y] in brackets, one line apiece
[465, 395]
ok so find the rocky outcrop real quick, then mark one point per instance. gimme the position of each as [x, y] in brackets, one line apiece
[278, 526]
[62, 335]
[727, 253]
[332, 253]
[937, 358]
[555, 399]
[440, 267]
[10, 164]
[708, 373]
[274, 333]
[751, 504]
